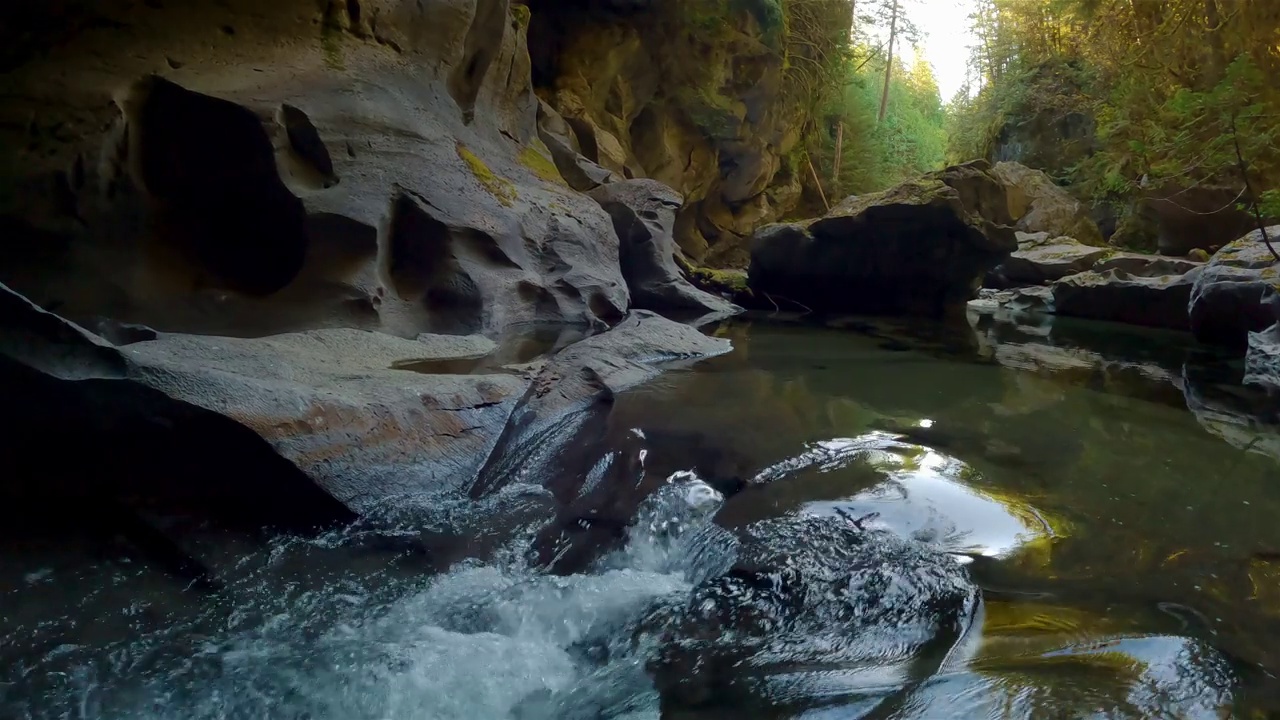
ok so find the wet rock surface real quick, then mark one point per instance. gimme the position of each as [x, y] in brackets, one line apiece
[810, 602]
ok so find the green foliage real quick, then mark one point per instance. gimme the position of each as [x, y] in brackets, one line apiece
[911, 140]
[1179, 90]
[831, 77]
[768, 13]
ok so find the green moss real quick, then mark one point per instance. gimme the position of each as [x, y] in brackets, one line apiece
[522, 15]
[541, 165]
[712, 280]
[769, 14]
[1198, 255]
[499, 187]
[710, 112]
[331, 44]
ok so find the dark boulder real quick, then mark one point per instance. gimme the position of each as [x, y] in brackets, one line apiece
[919, 248]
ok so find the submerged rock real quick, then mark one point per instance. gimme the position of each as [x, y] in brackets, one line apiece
[1036, 665]
[1230, 296]
[1114, 295]
[811, 605]
[918, 248]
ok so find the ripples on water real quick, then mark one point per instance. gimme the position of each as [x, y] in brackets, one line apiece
[1060, 499]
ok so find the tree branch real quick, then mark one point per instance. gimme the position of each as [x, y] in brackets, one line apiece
[1253, 199]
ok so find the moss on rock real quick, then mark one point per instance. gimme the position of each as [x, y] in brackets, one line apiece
[499, 187]
[541, 165]
[521, 15]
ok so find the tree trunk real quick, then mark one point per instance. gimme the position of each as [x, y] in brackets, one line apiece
[888, 64]
[835, 165]
[1217, 55]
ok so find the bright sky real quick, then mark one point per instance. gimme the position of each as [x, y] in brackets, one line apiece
[946, 39]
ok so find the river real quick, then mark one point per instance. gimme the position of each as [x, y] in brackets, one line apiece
[1113, 495]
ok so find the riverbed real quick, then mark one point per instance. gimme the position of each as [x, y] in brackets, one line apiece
[1111, 493]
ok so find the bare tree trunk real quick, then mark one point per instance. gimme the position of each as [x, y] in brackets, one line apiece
[1217, 54]
[817, 182]
[1248, 187]
[835, 164]
[888, 65]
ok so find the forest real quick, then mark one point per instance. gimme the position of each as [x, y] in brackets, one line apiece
[1120, 99]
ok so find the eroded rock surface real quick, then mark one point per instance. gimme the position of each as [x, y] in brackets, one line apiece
[644, 216]
[238, 169]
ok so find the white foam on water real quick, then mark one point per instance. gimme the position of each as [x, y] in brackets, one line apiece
[483, 641]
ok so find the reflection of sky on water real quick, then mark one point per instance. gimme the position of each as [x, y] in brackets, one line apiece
[925, 498]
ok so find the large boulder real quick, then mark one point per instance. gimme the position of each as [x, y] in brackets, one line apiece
[233, 168]
[1041, 259]
[644, 216]
[1039, 205]
[1114, 295]
[1200, 217]
[918, 248]
[1230, 296]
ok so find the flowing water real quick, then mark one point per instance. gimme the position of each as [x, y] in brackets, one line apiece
[830, 506]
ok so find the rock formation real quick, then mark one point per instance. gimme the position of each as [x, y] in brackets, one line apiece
[692, 94]
[918, 248]
[1230, 297]
[1038, 205]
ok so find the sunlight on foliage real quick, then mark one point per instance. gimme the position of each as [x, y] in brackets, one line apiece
[1182, 91]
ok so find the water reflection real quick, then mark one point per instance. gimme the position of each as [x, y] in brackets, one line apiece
[925, 498]
[1067, 462]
